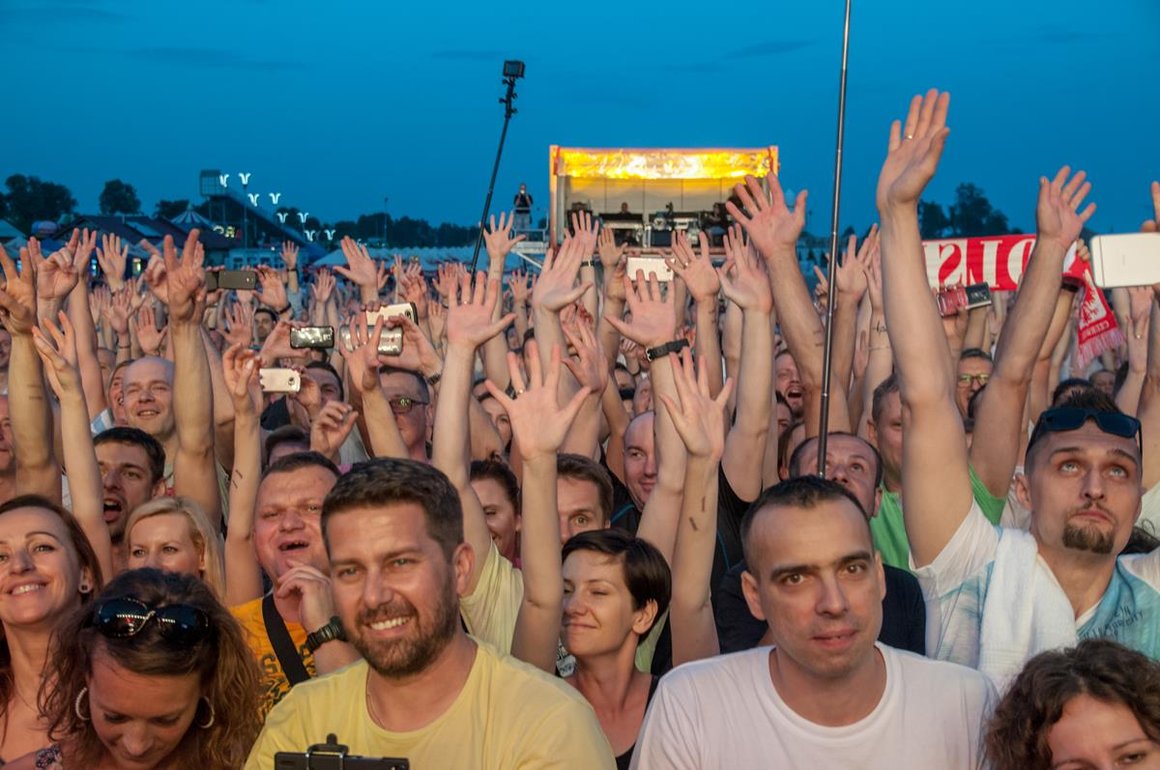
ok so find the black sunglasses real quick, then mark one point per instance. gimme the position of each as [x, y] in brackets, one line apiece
[125, 617]
[1064, 418]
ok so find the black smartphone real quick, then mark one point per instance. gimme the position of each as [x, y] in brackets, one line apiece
[978, 295]
[334, 756]
[316, 337]
[238, 280]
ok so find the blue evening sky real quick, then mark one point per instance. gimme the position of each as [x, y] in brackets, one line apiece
[336, 104]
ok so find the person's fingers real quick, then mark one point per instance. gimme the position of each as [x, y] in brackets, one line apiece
[911, 125]
[1079, 195]
[514, 373]
[1060, 177]
[1073, 184]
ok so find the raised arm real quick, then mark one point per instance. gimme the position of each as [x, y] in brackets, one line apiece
[696, 270]
[194, 467]
[745, 285]
[539, 425]
[360, 270]
[1149, 412]
[362, 363]
[700, 420]
[499, 240]
[773, 229]
[880, 362]
[936, 489]
[469, 324]
[1136, 335]
[999, 417]
[57, 348]
[37, 471]
[81, 316]
[243, 574]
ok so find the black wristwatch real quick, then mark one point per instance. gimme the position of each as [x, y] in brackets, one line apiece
[660, 351]
[328, 633]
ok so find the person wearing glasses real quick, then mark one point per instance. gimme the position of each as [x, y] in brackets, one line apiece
[971, 376]
[47, 570]
[155, 673]
[997, 596]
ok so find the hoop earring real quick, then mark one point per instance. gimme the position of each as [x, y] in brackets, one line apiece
[77, 705]
[210, 721]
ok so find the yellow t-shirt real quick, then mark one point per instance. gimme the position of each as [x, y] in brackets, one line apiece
[274, 684]
[490, 611]
[508, 716]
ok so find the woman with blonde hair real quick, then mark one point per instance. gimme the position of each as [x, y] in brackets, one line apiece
[174, 534]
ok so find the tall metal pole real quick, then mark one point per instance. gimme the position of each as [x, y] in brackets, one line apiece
[509, 110]
[827, 360]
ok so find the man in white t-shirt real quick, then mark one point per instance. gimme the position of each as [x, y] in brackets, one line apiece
[995, 596]
[826, 694]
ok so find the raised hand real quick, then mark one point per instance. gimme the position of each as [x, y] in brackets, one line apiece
[184, 277]
[331, 428]
[57, 275]
[57, 349]
[520, 284]
[696, 270]
[277, 344]
[240, 371]
[556, 286]
[772, 228]
[700, 418]
[584, 229]
[360, 268]
[610, 253]
[362, 356]
[499, 241]
[743, 278]
[914, 151]
[469, 311]
[323, 286]
[149, 337]
[117, 312]
[290, 255]
[112, 257]
[239, 317]
[539, 423]
[654, 318]
[80, 249]
[874, 279]
[413, 289]
[447, 277]
[273, 294]
[418, 354]
[589, 367]
[1057, 214]
[155, 277]
[18, 297]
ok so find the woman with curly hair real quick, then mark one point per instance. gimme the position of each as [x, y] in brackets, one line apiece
[155, 674]
[1092, 707]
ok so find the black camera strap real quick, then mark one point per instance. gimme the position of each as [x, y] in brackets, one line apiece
[288, 656]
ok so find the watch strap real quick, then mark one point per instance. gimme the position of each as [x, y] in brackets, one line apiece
[674, 346]
[328, 633]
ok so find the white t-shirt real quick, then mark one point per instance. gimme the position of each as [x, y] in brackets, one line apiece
[724, 712]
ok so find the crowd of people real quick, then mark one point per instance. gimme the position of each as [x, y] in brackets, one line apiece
[573, 519]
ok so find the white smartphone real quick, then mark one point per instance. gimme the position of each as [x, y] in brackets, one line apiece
[279, 380]
[391, 342]
[648, 265]
[1125, 259]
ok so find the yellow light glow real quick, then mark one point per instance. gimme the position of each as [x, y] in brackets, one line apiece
[580, 163]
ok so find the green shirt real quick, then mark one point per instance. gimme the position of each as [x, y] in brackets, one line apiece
[889, 528]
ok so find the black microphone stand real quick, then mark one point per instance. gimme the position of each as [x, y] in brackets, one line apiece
[511, 74]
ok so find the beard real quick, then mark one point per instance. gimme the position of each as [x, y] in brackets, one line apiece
[409, 655]
[1088, 539]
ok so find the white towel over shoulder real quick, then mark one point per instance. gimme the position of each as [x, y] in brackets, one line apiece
[1025, 613]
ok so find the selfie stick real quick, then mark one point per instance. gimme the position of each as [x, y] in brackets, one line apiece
[511, 71]
[827, 358]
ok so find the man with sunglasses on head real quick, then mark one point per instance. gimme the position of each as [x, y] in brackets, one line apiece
[997, 596]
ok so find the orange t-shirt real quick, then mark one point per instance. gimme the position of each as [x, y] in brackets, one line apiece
[275, 685]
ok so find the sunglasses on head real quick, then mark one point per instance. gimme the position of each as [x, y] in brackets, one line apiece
[1065, 418]
[125, 617]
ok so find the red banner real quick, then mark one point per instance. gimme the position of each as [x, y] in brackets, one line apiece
[997, 261]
